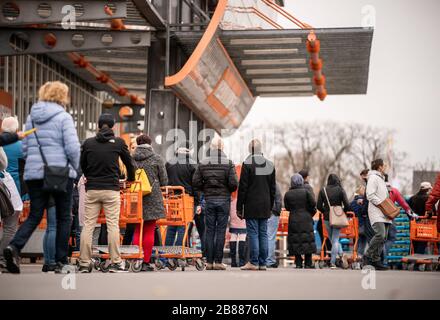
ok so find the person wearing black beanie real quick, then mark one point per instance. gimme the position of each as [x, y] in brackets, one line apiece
[100, 164]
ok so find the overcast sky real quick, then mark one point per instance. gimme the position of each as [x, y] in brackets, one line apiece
[404, 80]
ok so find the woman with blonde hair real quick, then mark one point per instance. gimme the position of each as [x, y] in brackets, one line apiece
[54, 146]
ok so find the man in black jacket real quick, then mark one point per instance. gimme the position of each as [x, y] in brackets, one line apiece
[100, 165]
[256, 197]
[217, 179]
[180, 171]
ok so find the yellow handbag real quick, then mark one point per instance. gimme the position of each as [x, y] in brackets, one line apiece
[143, 183]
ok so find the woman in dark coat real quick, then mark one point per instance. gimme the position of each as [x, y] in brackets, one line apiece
[152, 204]
[301, 204]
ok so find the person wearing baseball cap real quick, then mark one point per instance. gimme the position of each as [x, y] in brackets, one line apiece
[417, 203]
[100, 164]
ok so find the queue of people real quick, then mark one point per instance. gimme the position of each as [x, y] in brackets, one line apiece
[45, 168]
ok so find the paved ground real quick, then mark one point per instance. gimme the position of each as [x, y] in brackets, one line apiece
[282, 283]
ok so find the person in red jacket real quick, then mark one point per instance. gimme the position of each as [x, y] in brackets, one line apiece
[434, 197]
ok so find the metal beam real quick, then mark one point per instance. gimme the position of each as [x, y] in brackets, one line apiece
[150, 13]
[33, 41]
[22, 12]
[197, 9]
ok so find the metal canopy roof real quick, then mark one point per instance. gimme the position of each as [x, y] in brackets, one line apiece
[276, 62]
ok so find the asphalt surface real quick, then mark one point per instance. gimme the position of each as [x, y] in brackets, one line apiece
[281, 283]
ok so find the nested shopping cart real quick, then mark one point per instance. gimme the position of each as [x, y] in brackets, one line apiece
[130, 213]
[351, 234]
[423, 229]
[179, 211]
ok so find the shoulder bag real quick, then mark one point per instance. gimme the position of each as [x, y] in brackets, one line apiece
[6, 207]
[389, 209]
[55, 178]
[338, 219]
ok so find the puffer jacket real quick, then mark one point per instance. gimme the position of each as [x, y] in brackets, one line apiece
[376, 193]
[215, 176]
[58, 138]
[154, 167]
[301, 204]
[336, 195]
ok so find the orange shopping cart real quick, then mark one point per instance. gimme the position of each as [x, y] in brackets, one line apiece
[424, 229]
[179, 208]
[130, 213]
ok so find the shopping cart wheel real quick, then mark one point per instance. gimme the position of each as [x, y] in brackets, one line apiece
[404, 266]
[136, 266]
[321, 264]
[96, 263]
[159, 264]
[200, 265]
[411, 266]
[172, 264]
[422, 267]
[104, 267]
[429, 267]
[182, 264]
[316, 264]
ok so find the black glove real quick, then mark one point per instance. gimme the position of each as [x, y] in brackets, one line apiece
[240, 214]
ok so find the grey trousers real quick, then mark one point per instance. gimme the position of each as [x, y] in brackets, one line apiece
[377, 243]
[10, 225]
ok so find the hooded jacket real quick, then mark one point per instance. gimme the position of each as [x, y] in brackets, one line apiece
[58, 138]
[100, 161]
[300, 202]
[336, 195]
[153, 164]
[376, 193]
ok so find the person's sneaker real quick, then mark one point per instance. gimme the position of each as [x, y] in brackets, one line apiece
[262, 268]
[84, 269]
[49, 268]
[309, 266]
[379, 266]
[298, 266]
[275, 265]
[146, 267]
[117, 267]
[249, 266]
[219, 266]
[64, 268]
[209, 266]
[333, 266]
[366, 261]
[12, 259]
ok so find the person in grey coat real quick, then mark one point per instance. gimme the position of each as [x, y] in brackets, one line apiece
[153, 208]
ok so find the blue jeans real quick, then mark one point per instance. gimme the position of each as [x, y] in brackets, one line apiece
[170, 239]
[50, 236]
[272, 228]
[333, 234]
[216, 218]
[258, 241]
[39, 201]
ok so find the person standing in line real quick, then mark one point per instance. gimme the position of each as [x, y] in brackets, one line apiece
[55, 144]
[152, 204]
[216, 178]
[377, 192]
[237, 230]
[417, 203]
[433, 200]
[180, 171]
[333, 195]
[305, 174]
[300, 202]
[256, 197]
[272, 228]
[100, 166]
[357, 205]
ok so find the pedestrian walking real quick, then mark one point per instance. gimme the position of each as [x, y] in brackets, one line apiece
[100, 165]
[256, 197]
[53, 148]
[301, 204]
[216, 178]
[152, 204]
[330, 196]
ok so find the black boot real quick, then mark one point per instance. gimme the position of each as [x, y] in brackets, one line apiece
[308, 263]
[12, 259]
[298, 261]
[233, 253]
[242, 253]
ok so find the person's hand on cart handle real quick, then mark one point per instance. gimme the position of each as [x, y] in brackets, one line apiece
[199, 209]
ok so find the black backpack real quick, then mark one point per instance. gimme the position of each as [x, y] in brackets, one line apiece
[6, 207]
